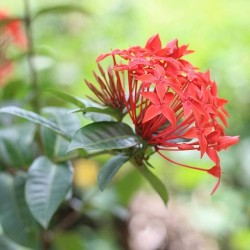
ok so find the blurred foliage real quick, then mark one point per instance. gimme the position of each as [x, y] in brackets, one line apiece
[67, 42]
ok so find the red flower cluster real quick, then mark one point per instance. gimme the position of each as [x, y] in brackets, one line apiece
[10, 33]
[173, 106]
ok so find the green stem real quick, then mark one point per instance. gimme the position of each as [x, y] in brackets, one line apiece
[30, 58]
[35, 101]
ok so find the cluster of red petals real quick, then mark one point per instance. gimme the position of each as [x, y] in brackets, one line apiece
[110, 93]
[173, 106]
[10, 33]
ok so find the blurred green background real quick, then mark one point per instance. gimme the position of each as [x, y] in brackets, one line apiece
[67, 45]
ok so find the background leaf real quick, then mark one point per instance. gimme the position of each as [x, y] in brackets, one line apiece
[110, 169]
[69, 98]
[102, 136]
[108, 111]
[96, 112]
[33, 117]
[46, 188]
[15, 218]
[7, 20]
[55, 146]
[69, 240]
[155, 182]
[17, 146]
[61, 9]
[7, 244]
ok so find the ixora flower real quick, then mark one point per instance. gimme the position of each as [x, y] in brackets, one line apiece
[10, 33]
[173, 106]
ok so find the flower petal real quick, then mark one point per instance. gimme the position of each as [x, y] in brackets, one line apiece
[169, 114]
[227, 141]
[151, 112]
[159, 71]
[216, 172]
[203, 144]
[191, 133]
[152, 97]
[169, 97]
[215, 187]
[146, 78]
[154, 43]
[161, 91]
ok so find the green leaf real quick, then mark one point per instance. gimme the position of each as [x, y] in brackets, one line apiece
[17, 145]
[66, 97]
[95, 116]
[110, 169]
[46, 188]
[7, 244]
[155, 182]
[108, 111]
[33, 117]
[102, 136]
[61, 9]
[125, 191]
[65, 120]
[15, 218]
[13, 92]
[56, 146]
[69, 240]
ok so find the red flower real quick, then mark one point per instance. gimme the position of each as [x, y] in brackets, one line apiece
[10, 33]
[160, 105]
[109, 93]
[173, 106]
[13, 30]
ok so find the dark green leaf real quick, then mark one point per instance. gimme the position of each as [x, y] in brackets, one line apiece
[15, 217]
[110, 169]
[33, 117]
[46, 188]
[66, 97]
[155, 182]
[102, 136]
[61, 9]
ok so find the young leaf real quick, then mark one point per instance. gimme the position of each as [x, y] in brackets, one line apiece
[33, 117]
[66, 97]
[155, 182]
[102, 136]
[15, 218]
[46, 188]
[110, 169]
[61, 9]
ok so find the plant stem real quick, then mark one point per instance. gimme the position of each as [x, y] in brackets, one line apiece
[35, 97]
[30, 58]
